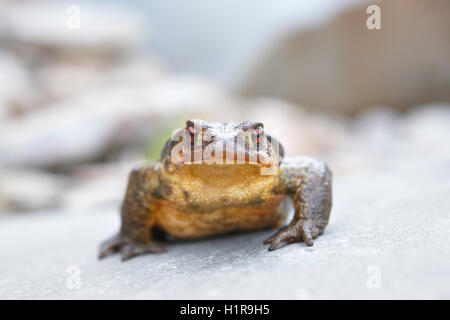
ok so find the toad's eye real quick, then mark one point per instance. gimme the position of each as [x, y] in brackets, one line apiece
[191, 132]
[259, 134]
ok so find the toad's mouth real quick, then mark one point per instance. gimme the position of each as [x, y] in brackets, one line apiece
[213, 157]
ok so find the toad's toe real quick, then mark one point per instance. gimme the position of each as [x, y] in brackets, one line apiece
[131, 250]
[109, 246]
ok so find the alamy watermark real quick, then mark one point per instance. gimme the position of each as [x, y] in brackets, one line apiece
[373, 281]
[373, 22]
[73, 281]
[73, 20]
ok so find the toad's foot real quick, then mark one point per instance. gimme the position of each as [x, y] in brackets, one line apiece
[127, 249]
[295, 232]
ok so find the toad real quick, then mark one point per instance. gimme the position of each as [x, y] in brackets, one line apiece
[215, 178]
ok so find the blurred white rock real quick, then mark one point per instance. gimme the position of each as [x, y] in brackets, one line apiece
[383, 139]
[429, 128]
[299, 131]
[25, 189]
[66, 77]
[63, 25]
[424, 131]
[16, 85]
[83, 127]
[97, 186]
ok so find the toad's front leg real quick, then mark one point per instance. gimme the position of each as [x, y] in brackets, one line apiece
[138, 215]
[308, 182]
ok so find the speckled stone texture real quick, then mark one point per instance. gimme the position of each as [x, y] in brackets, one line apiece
[388, 238]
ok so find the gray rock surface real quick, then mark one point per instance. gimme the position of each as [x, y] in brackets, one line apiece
[388, 238]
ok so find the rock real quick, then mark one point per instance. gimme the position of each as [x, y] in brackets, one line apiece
[342, 67]
[419, 133]
[429, 128]
[16, 86]
[63, 27]
[387, 239]
[299, 131]
[87, 126]
[87, 74]
[385, 139]
[25, 190]
[97, 186]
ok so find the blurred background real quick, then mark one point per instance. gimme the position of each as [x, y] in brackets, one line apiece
[90, 89]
